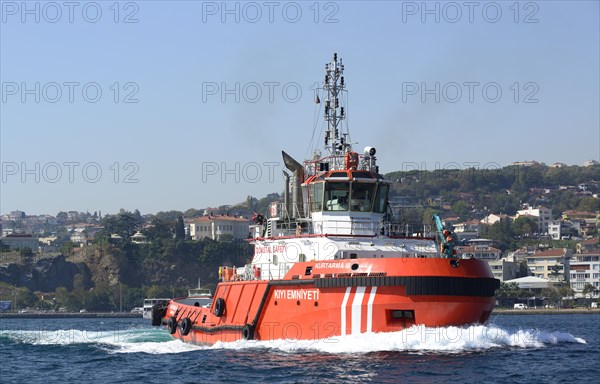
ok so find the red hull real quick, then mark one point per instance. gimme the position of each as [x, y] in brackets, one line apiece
[318, 300]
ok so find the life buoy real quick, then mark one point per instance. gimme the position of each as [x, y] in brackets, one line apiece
[248, 332]
[219, 307]
[159, 310]
[172, 324]
[185, 326]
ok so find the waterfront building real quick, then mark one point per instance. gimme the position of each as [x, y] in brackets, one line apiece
[550, 264]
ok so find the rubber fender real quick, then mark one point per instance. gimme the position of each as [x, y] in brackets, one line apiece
[172, 324]
[185, 326]
[219, 307]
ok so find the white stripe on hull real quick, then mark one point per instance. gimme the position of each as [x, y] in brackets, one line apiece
[344, 304]
[357, 310]
[370, 309]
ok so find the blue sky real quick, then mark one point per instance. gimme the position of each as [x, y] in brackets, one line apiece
[432, 85]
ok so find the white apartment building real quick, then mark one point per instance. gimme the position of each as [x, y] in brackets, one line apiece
[551, 264]
[215, 227]
[542, 215]
[585, 269]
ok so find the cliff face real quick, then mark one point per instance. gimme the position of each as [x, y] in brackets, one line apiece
[45, 275]
[133, 267]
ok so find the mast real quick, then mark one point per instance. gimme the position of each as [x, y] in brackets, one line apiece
[335, 143]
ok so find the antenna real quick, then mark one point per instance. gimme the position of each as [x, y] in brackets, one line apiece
[335, 142]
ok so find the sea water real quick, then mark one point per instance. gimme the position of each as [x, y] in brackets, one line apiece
[509, 349]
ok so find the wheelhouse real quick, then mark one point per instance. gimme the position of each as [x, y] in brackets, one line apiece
[346, 190]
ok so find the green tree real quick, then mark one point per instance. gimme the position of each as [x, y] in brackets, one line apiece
[567, 292]
[160, 229]
[461, 208]
[66, 299]
[510, 291]
[99, 299]
[156, 291]
[67, 248]
[501, 232]
[589, 204]
[524, 226]
[192, 212]
[552, 296]
[180, 229]
[589, 289]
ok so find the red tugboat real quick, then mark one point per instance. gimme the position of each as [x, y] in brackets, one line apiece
[328, 262]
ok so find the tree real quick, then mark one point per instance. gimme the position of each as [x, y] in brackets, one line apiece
[510, 291]
[566, 292]
[250, 202]
[461, 208]
[524, 226]
[589, 289]
[66, 299]
[160, 229]
[180, 229]
[192, 212]
[501, 232]
[552, 296]
[589, 204]
[99, 299]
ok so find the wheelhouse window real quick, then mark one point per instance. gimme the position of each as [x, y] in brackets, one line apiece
[316, 197]
[381, 198]
[361, 198]
[336, 196]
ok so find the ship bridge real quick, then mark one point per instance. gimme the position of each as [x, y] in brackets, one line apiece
[346, 202]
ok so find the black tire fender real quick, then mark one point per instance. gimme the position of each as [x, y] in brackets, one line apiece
[219, 307]
[159, 310]
[185, 326]
[248, 332]
[172, 324]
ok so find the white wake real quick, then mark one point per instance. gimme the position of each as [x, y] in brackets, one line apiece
[417, 339]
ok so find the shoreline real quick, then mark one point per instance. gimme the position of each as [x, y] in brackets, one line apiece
[69, 315]
[544, 311]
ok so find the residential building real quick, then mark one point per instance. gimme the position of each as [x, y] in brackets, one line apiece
[16, 215]
[467, 230]
[493, 218]
[503, 269]
[585, 269]
[561, 229]
[79, 236]
[528, 163]
[541, 215]
[550, 264]
[215, 227]
[588, 245]
[48, 240]
[478, 251]
[19, 241]
[83, 233]
[588, 221]
[554, 229]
